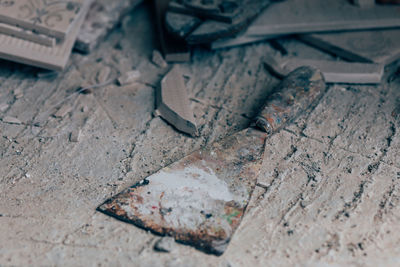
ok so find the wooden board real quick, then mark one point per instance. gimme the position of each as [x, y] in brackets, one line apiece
[240, 40]
[364, 3]
[333, 71]
[381, 46]
[53, 18]
[27, 35]
[301, 16]
[26, 52]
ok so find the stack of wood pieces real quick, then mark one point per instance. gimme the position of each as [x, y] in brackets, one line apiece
[40, 33]
[302, 17]
[362, 31]
[192, 22]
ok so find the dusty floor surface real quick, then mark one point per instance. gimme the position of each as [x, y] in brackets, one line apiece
[329, 193]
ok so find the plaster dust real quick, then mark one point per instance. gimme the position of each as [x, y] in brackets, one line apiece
[329, 192]
[196, 195]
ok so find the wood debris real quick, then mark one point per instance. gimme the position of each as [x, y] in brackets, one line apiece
[158, 59]
[23, 49]
[3, 107]
[103, 74]
[302, 16]
[11, 120]
[75, 135]
[27, 35]
[129, 77]
[165, 244]
[333, 71]
[46, 74]
[312, 16]
[64, 110]
[211, 20]
[173, 48]
[242, 39]
[381, 46]
[173, 102]
[18, 93]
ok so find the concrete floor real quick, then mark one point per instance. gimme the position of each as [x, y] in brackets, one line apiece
[328, 195]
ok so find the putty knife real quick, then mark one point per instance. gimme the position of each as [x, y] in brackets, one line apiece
[200, 199]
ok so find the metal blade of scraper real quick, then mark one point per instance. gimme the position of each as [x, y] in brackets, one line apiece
[200, 199]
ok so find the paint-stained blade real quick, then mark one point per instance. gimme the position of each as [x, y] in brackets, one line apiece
[199, 200]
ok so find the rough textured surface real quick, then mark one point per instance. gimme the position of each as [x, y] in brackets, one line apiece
[329, 193]
[305, 16]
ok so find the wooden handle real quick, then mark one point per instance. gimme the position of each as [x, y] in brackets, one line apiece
[299, 91]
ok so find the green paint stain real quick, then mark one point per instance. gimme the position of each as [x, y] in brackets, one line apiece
[229, 217]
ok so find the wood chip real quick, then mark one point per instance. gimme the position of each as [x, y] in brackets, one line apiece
[11, 120]
[239, 40]
[3, 107]
[64, 110]
[27, 35]
[18, 93]
[75, 136]
[158, 59]
[85, 109]
[173, 102]
[165, 244]
[129, 77]
[103, 74]
[46, 74]
[47, 57]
